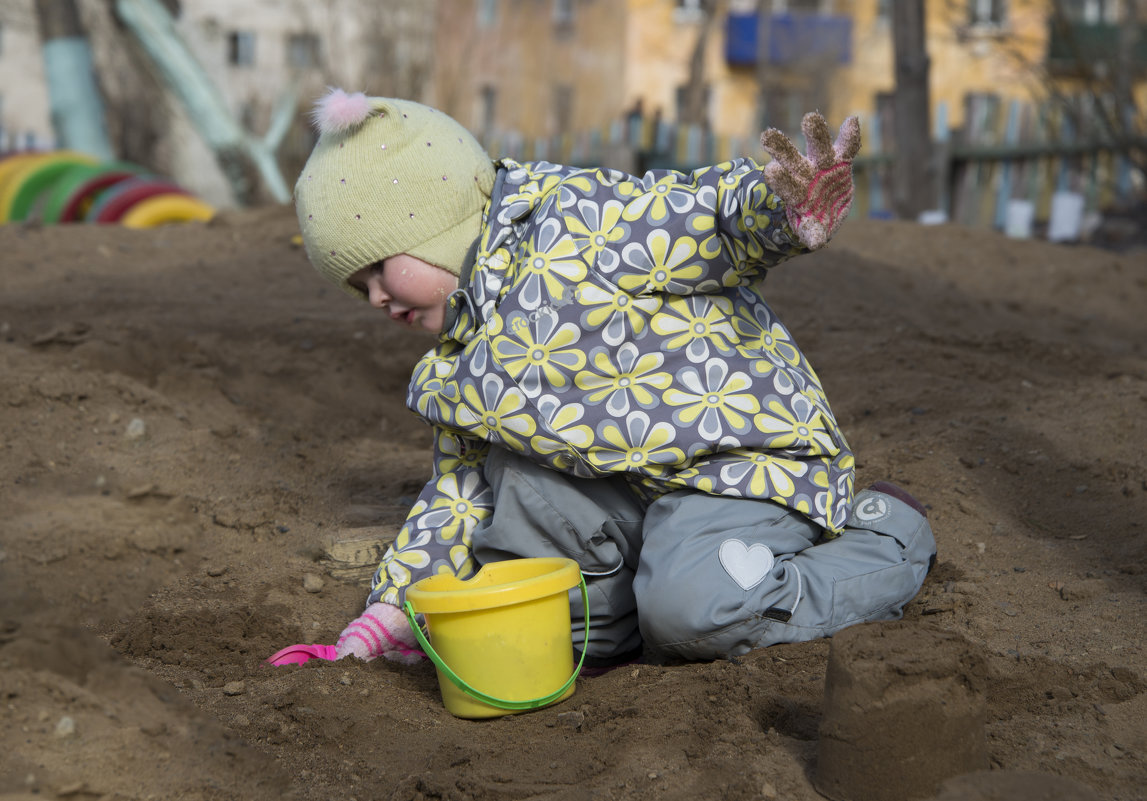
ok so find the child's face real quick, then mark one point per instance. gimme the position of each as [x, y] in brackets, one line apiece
[412, 291]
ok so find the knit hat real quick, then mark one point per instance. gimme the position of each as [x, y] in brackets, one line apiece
[387, 177]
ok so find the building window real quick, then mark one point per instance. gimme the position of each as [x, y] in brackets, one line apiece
[487, 12]
[822, 7]
[241, 49]
[688, 11]
[302, 50]
[808, 7]
[563, 13]
[988, 13]
[1090, 12]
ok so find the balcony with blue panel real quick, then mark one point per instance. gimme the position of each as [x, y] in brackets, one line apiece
[793, 39]
[1076, 48]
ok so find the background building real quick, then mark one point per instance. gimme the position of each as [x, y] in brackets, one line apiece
[625, 83]
[255, 52]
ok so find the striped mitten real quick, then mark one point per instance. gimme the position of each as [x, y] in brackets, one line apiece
[382, 630]
[817, 188]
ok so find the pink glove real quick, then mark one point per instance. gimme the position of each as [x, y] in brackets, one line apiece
[817, 189]
[382, 630]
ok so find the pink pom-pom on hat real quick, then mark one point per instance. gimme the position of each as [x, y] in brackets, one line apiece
[338, 112]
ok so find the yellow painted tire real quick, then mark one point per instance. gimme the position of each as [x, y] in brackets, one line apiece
[25, 184]
[163, 209]
[12, 164]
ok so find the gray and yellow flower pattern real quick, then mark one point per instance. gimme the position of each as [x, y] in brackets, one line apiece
[614, 325]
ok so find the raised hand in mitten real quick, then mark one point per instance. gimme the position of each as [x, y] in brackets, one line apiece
[817, 188]
[382, 630]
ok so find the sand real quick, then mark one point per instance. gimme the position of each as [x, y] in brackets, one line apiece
[190, 417]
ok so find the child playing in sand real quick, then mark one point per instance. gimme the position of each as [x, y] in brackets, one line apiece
[609, 385]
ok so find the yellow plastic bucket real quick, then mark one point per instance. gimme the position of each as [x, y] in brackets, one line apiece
[500, 639]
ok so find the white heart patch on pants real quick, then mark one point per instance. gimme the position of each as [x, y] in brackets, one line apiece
[746, 565]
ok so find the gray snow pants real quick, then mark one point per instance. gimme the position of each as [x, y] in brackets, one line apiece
[699, 576]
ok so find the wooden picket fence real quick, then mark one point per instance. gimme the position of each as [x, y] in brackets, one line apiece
[1021, 168]
[1013, 167]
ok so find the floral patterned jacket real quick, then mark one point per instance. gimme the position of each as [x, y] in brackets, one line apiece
[610, 325]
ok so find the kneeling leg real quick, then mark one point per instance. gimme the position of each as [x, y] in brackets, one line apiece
[718, 576]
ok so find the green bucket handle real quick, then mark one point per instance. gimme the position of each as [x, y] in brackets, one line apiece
[501, 703]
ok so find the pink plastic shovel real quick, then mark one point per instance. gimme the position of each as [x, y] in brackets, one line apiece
[298, 654]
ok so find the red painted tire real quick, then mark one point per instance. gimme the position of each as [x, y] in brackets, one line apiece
[77, 191]
[113, 203]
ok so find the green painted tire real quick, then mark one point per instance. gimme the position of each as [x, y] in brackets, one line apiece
[29, 183]
[78, 187]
